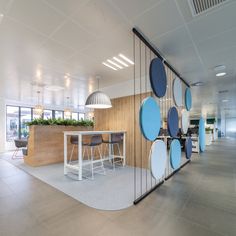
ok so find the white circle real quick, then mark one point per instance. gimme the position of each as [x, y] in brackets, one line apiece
[158, 159]
[184, 121]
[177, 91]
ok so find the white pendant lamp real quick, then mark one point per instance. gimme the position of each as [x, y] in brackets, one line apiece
[98, 100]
[38, 109]
[67, 111]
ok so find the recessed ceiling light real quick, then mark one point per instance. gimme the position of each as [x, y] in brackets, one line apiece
[115, 64]
[1, 17]
[120, 61]
[199, 83]
[219, 68]
[38, 73]
[225, 100]
[105, 64]
[126, 59]
[220, 74]
[54, 88]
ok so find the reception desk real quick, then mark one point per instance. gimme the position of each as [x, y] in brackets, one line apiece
[45, 143]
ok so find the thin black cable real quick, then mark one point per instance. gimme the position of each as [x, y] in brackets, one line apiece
[140, 102]
[134, 141]
[147, 155]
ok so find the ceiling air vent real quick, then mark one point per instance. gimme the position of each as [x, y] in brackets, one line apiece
[201, 6]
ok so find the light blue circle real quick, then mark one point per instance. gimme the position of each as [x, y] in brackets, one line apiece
[150, 118]
[158, 159]
[202, 135]
[177, 92]
[188, 99]
[175, 154]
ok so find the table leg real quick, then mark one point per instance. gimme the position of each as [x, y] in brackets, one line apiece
[109, 147]
[80, 159]
[65, 154]
[124, 149]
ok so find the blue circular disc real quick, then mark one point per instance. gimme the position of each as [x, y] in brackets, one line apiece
[202, 136]
[173, 122]
[175, 154]
[150, 118]
[158, 77]
[188, 99]
[188, 148]
[158, 159]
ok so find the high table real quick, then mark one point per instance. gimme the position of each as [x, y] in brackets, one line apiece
[79, 166]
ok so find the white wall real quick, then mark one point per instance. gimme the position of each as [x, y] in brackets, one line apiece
[230, 127]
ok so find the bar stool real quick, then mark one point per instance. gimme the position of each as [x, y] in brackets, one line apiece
[20, 144]
[116, 139]
[74, 142]
[95, 142]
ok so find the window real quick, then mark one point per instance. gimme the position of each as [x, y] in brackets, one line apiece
[12, 122]
[36, 116]
[47, 114]
[74, 115]
[81, 116]
[25, 116]
[59, 114]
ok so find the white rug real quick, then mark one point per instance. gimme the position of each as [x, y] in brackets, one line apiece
[113, 191]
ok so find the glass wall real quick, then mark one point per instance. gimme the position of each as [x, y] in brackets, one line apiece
[81, 116]
[47, 114]
[12, 123]
[25, 116]
[74, 116]
[16, 118]
[59, 114]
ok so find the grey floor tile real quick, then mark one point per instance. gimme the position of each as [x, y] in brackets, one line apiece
[212, 218]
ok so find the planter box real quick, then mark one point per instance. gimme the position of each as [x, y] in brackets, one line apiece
[46, 144]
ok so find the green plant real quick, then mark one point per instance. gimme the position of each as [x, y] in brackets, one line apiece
[66, 122]
[208, 129]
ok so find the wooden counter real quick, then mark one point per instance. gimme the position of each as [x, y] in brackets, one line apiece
[46, 144]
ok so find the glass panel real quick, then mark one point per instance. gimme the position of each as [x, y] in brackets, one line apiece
[25, 117]
[47, 114]
[12, 122]
[81, 116]
[74, 115]
[59, 114]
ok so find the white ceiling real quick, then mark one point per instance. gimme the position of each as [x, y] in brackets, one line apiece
[76, 36]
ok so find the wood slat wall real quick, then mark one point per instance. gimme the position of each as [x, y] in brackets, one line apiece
[124, 116]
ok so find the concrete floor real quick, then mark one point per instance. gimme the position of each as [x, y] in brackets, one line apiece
[199, 200]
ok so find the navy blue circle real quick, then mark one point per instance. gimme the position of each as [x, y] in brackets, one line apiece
[188, 148]
[158, 77]
[173, 122]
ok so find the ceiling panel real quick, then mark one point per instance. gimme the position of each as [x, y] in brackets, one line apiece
[172, 41]
[34, 13]
[73, 36]
[52, 49]
[102, 17]
[213, 23]
[221, 42]
[67, 6]
[160, 19]
[185, 59]
[130, 12]
[4, 5]
[219, 57]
